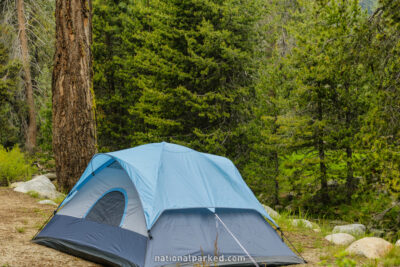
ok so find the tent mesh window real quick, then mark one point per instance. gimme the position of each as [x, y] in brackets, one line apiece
[109, 209]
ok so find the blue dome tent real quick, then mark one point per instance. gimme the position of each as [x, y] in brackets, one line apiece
[163, 204]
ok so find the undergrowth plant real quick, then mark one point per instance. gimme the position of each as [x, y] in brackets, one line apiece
[14, 166]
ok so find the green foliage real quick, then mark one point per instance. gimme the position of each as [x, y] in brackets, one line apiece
[343, 261]
[14, 166]
[33, 194]
[59, 199]
[326, 110]
[174, 71]
[10, 104]
[40, 33]
[392, 258]
[20, 230]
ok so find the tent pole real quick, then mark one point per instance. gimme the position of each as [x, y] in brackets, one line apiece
[290, 243]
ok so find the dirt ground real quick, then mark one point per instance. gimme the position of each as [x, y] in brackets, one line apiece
[20, 218]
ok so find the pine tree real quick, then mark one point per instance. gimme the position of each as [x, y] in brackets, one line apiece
[9, 72]
[326, 98]
[268, 143]
[182, 73]
[381, 131]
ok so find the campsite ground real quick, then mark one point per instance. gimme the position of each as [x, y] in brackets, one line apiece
[21, 216]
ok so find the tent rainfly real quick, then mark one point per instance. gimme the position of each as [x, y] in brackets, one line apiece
[163, 204]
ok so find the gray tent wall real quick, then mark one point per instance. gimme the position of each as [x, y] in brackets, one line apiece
[91, 226]
[198, 232]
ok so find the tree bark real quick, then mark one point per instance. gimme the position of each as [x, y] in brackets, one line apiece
[74, 128]
[30, 142]
[350, 175]
[321, 154]
[276, 175]
[276, 163]
[349, 158]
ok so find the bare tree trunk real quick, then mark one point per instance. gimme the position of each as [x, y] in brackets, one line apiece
[321, 154]
[349, 155]
[350, 175]
[276, 175]
[276, 163]
[30, 143]
[74, 128]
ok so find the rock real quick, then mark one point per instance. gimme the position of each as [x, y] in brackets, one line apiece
[317, 230]
[47, 202]
[303, 222]
[14, 185]
[340, 239]
[397, 243]
[271, 212]
[370, 247]
[356, 229]
[51, 175]
[40, 184]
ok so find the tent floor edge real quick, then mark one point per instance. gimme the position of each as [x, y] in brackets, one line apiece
[262, 261]
[84, 252]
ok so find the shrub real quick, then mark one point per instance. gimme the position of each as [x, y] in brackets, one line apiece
[20, 230]
[392, 258]
[14, 166]
[33, 194]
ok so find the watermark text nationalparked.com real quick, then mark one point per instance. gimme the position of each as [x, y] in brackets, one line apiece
[200, 258]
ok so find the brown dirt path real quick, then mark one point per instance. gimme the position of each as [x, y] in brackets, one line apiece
[20, 218]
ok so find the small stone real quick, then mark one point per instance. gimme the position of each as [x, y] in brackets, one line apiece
[397, 243]
[370, 247]
[271, 212]
[47, 202]
[355, 229]
[317, 230]
[303, 222]
[340, 239]
[52, 176]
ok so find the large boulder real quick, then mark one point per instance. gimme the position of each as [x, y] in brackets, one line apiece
[14, 185]
[271, 212]
[302, 222]
[397, 243]
[40, 184]
[355, 229]
[370, 247]
[340, 239]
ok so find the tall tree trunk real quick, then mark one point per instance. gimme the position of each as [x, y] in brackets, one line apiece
[349, 156]
[350, 175]
[30, 143]
[321, 154]
[276, 175]
[276, 163]
[74, 129]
